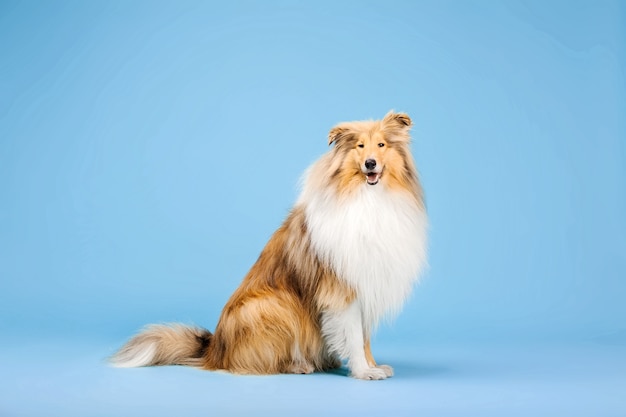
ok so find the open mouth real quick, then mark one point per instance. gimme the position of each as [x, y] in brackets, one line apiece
[372, 177]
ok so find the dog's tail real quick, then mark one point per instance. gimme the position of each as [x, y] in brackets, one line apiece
[158, 344]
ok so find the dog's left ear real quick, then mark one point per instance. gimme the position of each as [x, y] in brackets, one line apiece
[398, 120]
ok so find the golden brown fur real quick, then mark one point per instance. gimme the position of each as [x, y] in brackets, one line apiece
[271, 324]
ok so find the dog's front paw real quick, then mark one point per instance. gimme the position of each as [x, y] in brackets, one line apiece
[388, 370]
[371, 374]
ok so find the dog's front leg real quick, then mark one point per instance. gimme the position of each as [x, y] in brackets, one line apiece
[370, 358]
[343, 333]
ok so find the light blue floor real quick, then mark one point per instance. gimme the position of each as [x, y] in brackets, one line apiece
[63, 378]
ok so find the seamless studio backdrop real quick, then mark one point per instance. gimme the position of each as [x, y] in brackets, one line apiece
[148, 150]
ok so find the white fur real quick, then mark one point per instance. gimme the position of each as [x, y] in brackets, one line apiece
[299, 364]
[140, 355]
[375, 240]
[343, 332]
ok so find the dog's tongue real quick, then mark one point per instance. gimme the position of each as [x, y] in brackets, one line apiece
[372, 177]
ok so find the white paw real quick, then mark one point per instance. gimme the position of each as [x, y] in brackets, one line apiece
[301, 368]
[371, 373]
[387, 369]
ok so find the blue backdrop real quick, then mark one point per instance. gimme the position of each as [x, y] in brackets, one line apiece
[149, 149]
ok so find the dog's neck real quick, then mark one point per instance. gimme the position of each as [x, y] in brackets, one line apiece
[374, 239]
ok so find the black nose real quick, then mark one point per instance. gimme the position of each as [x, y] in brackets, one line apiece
[370, 163]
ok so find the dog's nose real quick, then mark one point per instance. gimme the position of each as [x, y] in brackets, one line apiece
[370, 163]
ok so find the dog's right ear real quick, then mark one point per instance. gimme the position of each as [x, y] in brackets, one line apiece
[336, 133]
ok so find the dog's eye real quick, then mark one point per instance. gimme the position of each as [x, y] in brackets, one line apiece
[380, 145]
[360, 145]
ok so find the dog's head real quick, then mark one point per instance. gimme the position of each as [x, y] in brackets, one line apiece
[372, 152]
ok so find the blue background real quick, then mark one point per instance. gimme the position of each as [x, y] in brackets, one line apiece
[149, 149]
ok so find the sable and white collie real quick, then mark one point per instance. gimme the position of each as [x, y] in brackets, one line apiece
[346, 256]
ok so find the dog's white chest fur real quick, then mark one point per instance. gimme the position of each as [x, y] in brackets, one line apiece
[374, 240]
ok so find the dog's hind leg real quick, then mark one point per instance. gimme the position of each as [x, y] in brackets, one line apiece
[299, 364]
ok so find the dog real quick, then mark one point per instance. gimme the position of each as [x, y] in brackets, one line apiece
[346, 256]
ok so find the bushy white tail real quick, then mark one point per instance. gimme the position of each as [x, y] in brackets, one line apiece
[158, 344]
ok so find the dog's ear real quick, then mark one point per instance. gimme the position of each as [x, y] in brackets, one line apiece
[336, 133]
[397, 126]
[398, 120]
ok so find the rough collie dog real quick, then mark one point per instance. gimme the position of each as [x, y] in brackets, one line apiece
[346, 256]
